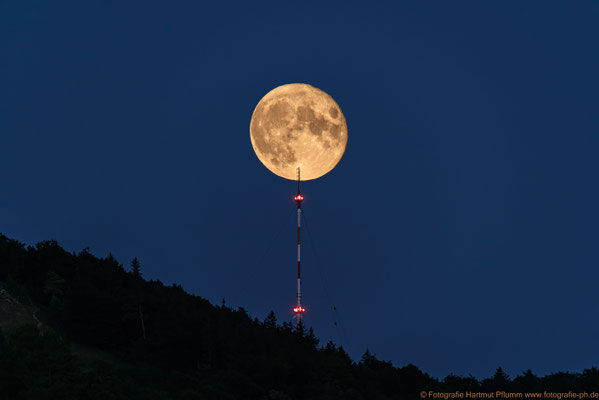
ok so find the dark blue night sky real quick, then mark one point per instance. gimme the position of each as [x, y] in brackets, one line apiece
[459, 231]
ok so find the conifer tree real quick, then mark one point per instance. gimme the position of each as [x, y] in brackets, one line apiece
[136, 268]
[138, 297]
[271, 320]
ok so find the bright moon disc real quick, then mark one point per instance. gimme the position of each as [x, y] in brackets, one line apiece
[298, 125]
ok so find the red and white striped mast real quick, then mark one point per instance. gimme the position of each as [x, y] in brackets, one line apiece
[298, 310]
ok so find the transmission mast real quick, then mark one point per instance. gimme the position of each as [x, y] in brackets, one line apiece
[298, 310]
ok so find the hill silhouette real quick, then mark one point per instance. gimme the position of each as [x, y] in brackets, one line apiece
[75, 326]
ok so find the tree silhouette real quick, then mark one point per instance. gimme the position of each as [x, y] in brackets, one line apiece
[527, 382]
[311, 338]
[138, 300]
[300, 329]
[499, 381]
[140, 339]
[136, 268]
[270, 321]
[368, 359]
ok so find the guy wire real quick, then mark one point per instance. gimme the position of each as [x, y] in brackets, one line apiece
[338, 325]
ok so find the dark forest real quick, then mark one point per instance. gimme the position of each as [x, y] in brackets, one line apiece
[75, 326]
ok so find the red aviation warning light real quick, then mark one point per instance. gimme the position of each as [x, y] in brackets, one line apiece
[266, 134]
[298, 310]
[270, 131]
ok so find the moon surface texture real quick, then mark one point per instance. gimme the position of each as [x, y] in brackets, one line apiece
[298, 125]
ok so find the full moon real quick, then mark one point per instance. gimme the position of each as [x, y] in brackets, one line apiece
[298, 125]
